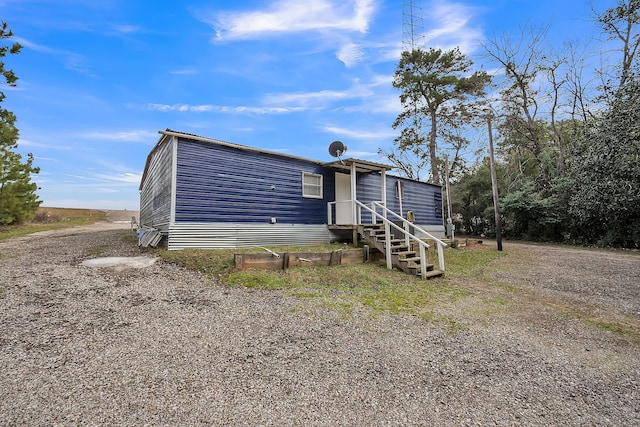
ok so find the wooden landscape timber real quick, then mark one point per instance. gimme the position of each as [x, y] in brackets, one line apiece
[284, 260]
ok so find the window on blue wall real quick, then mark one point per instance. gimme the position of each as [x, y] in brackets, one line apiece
[311, 185]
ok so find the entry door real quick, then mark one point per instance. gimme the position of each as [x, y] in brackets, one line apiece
[343, 192]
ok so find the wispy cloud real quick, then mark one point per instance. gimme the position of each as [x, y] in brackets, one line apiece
[307, 98]
[448, 25]
[184, 71]
[350, 54]
[126, 29]
[71, 60]
[201, 108]
[382, 133]
[288, 102]
[292, 16]
[318, 99]
[132, 178]
[124, 136]
[58, 146]
[81, 177]
[100, 180]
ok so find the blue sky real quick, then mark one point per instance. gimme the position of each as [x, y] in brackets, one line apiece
[98, 79]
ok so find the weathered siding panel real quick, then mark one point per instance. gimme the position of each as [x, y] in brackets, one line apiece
[217, 183]
[238, 235]
[425, 200]
[155, 194]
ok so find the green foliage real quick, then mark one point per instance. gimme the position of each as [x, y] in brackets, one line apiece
[472, 200]
[18, 199]
[533, 216]
[606, 174]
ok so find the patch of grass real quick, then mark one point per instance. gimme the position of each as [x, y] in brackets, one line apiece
[343, 307]
[305, 294]
[129, 238]
[470, 263]
[340, 288]
[257, 279]
[617, 328]
[220, 262]
[212, 262]
[46, 219]
[96, 250]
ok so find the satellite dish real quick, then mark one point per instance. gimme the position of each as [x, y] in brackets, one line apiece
[337, 149]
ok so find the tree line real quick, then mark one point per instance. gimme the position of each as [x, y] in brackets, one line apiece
[568, 135]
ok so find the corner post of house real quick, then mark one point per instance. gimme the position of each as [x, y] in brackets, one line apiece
[387, 227]
[353, 193]
[174, 179]
[383, 188]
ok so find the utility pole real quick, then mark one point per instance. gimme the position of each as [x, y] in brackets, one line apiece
[494, 187]
[450, 228]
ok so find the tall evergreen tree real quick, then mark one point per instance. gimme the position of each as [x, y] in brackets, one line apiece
[18, 199]
[437, 89]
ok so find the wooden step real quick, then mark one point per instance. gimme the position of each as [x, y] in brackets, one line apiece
[404, 254]
[415, 268]
[414, 259]
[394, 242]
[432, 273]
[373, 226]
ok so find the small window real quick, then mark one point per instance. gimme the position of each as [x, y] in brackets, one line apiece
[311, 185]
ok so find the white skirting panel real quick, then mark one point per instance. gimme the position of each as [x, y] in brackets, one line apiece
[436, 230]
[238, 235]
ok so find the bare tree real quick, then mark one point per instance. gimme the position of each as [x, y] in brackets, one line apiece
[621, 23]
[523, 61]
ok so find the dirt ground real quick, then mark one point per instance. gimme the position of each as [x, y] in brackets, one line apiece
[547, 335]
[121, 215]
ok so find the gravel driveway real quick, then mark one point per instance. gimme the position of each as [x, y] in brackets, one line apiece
[164, 346]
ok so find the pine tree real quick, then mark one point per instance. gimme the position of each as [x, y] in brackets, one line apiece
[18, 199]
[437, 90]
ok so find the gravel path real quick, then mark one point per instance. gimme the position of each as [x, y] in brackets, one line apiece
[164, 346]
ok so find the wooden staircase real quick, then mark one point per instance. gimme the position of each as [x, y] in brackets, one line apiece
[402, 255]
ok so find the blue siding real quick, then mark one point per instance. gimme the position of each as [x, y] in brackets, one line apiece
[424, 199]
[216, 183]
[155, 191]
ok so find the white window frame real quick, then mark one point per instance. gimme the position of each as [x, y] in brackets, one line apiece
[306, 185]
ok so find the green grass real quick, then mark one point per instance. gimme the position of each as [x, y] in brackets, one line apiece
[465, 263]
[96, 250]
[46, 219]
[341, 287]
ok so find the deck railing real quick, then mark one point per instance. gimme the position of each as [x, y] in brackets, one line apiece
[389, 224]
[440, 245]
